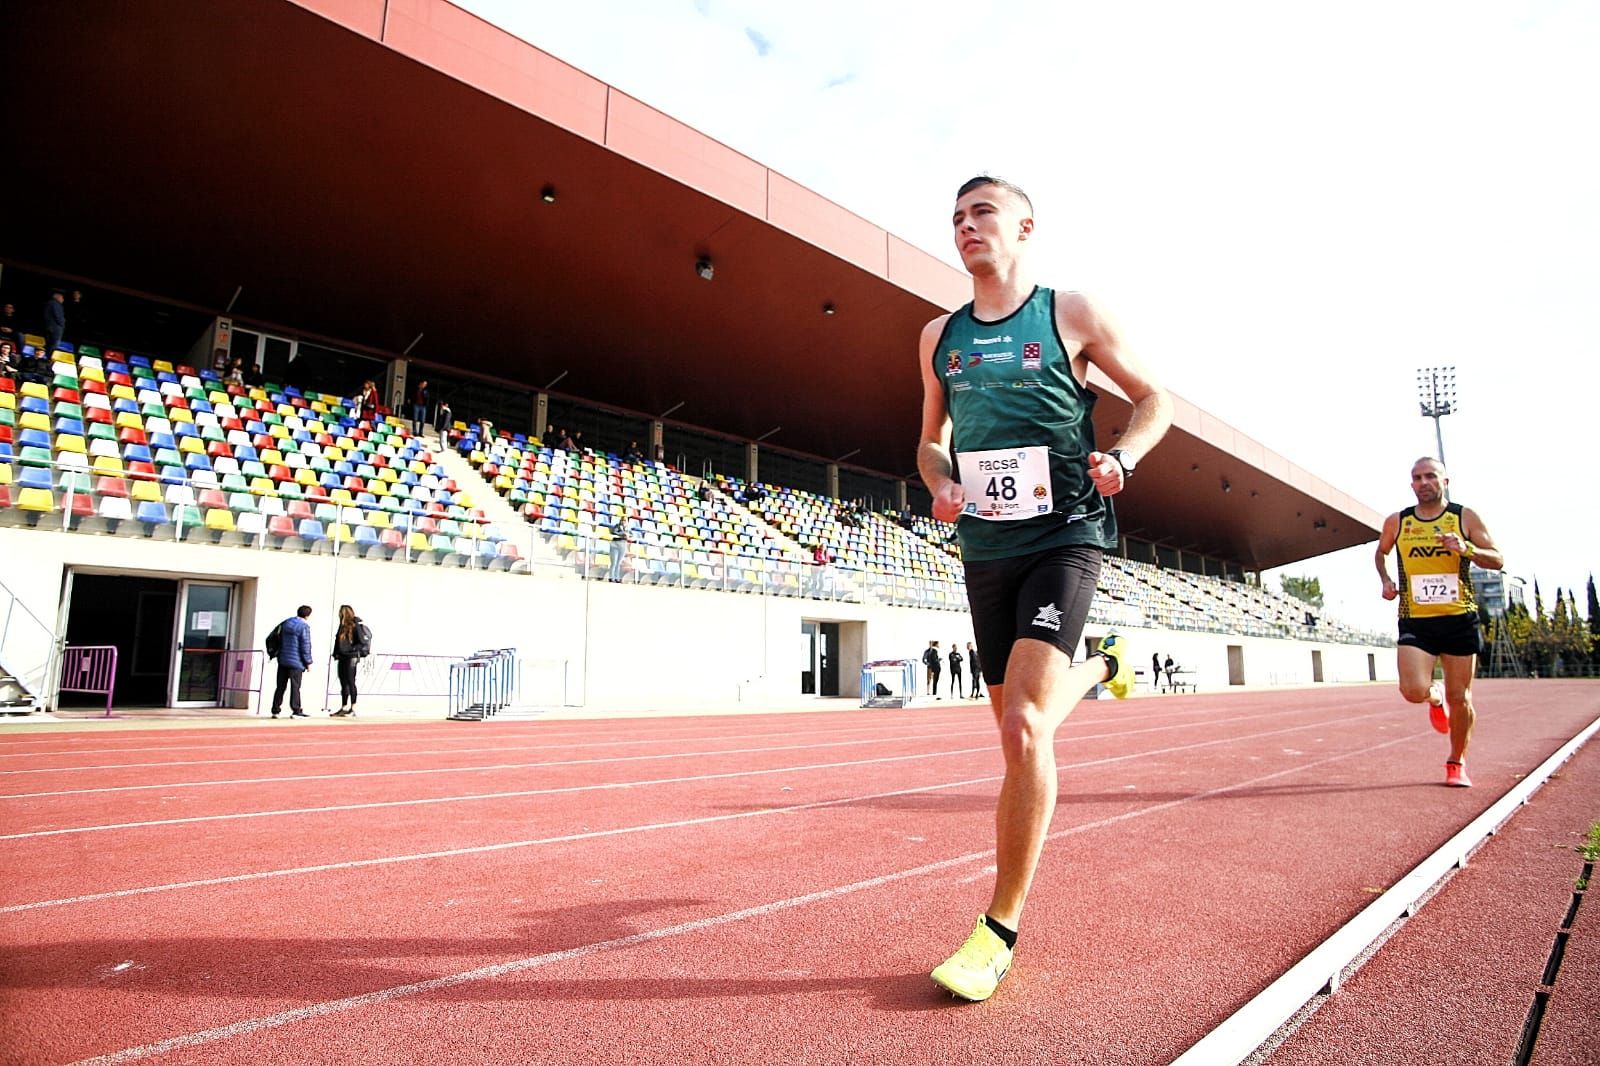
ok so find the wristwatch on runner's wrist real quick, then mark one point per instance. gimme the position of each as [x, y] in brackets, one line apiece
[1122, 461]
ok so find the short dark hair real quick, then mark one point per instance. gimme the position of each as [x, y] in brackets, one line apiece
[304, 611]
[999, 183]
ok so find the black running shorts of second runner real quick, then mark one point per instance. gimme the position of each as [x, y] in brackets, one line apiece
[1452, 634]
[1045, 596]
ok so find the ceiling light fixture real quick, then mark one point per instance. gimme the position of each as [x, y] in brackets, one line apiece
[548, 194]
[703, 267]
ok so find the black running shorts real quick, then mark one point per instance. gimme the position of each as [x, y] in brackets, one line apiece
[1045, 596]
[1453, 634]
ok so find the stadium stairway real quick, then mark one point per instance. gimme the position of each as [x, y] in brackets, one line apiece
[499, 511]
[844, 582]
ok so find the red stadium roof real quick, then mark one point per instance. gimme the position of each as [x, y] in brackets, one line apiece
[372, 169]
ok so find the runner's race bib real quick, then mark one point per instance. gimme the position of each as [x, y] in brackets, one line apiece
[1006, 484]
[1435, 588]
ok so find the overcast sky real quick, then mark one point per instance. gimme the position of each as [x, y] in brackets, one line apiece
[1290, 207]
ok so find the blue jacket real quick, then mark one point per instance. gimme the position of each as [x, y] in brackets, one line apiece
[55, 315]
[296, 651]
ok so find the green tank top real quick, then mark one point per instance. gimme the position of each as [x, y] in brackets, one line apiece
[1022, 430]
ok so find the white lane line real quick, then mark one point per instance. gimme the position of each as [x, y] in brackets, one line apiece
[250, 1026]
[890, 738]
[929, 717]
[430, 752]
[481, 768]
[388, 859]
[374, 804]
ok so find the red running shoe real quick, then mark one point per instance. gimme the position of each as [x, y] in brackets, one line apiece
[1455, 775]
[1438, 714]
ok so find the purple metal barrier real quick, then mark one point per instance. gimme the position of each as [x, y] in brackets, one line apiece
[90, 668]
[243, 671]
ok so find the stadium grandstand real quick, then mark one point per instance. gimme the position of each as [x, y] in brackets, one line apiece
[667, 459]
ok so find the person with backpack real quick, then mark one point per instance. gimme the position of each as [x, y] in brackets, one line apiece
[351, 643]
[290, 644]
[932, 660]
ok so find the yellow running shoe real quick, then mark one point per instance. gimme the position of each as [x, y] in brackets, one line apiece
[1120, 680]
[973, 972]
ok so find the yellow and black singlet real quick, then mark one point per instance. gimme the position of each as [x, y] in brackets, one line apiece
[1434, 581]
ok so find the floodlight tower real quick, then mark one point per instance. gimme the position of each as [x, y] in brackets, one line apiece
[1436, 394]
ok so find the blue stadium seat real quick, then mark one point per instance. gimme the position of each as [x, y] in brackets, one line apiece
[152, 514]
[310, 529]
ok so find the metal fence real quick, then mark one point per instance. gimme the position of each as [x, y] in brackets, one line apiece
[90, 668]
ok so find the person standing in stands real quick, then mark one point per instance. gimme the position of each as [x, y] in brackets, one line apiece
[419, 407]
[55, 322]
[931, 660]
[352, 642]
[443, 419]
[976, 668]
[367, 400]
[956, 688]
[294, 659]
[9, 330]
[621, 535]
[1437, 542]
[1008, 451]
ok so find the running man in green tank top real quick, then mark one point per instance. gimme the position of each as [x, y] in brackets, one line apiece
[1009, 454]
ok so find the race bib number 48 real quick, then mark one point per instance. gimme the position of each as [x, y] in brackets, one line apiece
[1006, 484]
[1435, 588]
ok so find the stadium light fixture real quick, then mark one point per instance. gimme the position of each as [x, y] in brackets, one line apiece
[548, 194]
[703, 267]
[1436, 395]
[828, 309]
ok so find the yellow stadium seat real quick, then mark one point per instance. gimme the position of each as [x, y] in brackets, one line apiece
[36, 500]
[34, 420]
[110, 465]
[417, 542]
[219, 519]
[34, 389]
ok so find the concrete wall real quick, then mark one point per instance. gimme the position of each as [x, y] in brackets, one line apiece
[623, 646]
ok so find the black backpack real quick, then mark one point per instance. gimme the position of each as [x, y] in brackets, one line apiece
[363, 640]
[275, 641]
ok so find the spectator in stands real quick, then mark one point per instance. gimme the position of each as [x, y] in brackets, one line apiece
[1031, 489]
[931, 660]
[55, 321]
[820, 558]
[634, 454]
[8, 359]
[352, 642]
[1171, 668]
[577, 441]
[622, 533]
[367, 400]
[976, 668]
[294, 659]
[485, 435]
[443, 419]
[566, 443]
[80, 317]
[235, 374]
[9, 330]
[419, 407]
[956, 688]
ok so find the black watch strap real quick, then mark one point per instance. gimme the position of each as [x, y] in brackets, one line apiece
[1127, 467]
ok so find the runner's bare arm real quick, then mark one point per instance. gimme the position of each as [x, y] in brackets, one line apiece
[1484, 552]
[933, 451]
[1391, 533]
[1079, 318]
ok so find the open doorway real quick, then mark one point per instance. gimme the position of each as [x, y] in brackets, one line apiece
[170, 635]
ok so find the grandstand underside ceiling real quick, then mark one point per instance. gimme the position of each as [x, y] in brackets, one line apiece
[371, 170]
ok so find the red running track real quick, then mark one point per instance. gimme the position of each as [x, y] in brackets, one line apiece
[724, 889]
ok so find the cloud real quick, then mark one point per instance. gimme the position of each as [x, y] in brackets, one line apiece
[763, 46]
[840, 79]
